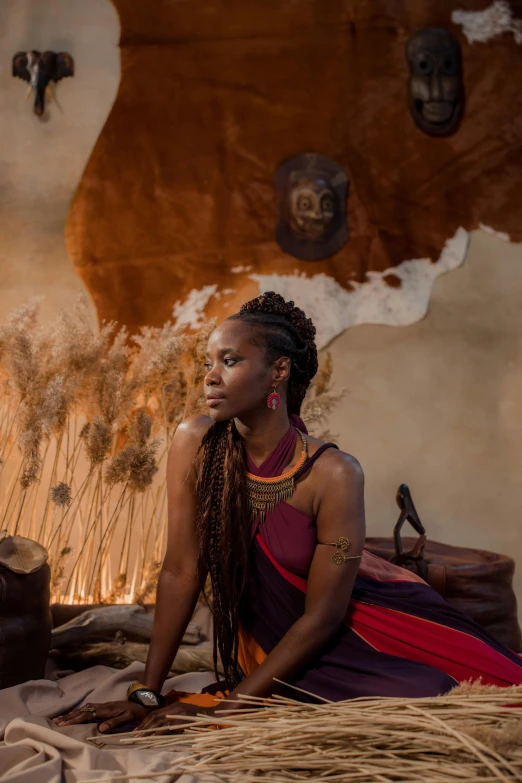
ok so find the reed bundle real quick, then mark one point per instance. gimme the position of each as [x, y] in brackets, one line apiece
[87, 417]
[473, 735]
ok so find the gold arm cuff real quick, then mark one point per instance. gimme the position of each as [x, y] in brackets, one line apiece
[135, 687]
[341, 543]
[338, 558]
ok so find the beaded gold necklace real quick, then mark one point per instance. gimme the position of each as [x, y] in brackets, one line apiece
[265, 493]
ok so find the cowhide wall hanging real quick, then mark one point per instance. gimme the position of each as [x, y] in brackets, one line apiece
[417, 106]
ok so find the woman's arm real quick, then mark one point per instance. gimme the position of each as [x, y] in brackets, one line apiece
[340, 512]
[178, 584]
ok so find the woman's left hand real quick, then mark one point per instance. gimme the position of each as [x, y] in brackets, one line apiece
[158, 718]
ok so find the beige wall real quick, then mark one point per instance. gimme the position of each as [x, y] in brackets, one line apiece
[438, 405]
[41, 161]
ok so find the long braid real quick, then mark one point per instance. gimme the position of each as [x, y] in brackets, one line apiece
[223, 523]
[221, 493]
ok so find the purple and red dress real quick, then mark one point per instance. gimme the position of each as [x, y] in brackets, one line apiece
[399, 637]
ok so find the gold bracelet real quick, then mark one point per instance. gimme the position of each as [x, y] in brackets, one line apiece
[135, 687]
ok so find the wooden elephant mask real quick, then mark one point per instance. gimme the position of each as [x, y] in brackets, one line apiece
[39, 69]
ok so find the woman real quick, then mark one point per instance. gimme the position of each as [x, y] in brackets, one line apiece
[277, 520]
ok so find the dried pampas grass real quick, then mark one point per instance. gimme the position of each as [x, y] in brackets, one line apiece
[87, 416]
[321, 400]
[473, 734]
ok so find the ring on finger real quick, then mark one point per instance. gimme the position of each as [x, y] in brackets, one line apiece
[89, 709]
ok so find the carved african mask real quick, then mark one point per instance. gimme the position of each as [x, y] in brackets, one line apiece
[435, 89]
[311, 206]
[311, 192]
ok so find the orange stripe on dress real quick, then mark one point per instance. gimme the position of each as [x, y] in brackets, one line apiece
[199, 699]
[250, 656]
[250, 653]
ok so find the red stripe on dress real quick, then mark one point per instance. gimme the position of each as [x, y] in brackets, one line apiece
[456, 653]
[296, 581]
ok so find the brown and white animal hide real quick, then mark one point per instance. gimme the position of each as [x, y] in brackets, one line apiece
[176, 210]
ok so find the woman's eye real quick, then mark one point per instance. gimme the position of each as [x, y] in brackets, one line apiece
[226, 362]
[207, 366]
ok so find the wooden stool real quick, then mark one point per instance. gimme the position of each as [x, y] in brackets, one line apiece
[25, 616]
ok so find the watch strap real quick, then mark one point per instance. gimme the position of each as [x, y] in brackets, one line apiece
[136, 686]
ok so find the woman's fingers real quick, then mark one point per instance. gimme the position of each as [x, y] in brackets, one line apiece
[155, 725]
[112, 714]
[149, 722]
[155, 720]
[113, 723]
[70, 718]
[84, 715]
[158, 718]
[87, 714]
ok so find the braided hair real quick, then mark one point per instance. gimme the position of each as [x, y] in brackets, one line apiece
[280, 329]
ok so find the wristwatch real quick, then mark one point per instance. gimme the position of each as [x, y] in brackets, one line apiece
[141, 694]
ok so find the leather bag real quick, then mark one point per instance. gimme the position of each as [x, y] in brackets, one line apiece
[477, 582]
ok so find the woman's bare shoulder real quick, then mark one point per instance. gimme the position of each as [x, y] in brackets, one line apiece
[195, 426]
[189, 434]
[334, 464]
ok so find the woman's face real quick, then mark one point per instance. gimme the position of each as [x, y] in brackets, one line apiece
[238, 378]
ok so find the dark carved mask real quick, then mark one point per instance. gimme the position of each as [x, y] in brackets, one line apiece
[311, 193]
[436, 88]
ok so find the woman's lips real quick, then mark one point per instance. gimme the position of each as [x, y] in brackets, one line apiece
[213, 401]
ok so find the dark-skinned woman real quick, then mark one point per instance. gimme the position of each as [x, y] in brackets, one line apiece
[276, 518]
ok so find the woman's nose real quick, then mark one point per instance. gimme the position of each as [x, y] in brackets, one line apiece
[212, 377]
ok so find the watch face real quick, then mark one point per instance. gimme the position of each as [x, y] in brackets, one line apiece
[148, 698]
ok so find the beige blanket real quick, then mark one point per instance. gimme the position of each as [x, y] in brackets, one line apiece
[34, 750]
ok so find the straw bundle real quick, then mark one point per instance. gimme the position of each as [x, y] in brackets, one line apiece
[468, 735]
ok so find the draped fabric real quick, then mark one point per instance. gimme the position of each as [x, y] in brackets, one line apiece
[399, 637]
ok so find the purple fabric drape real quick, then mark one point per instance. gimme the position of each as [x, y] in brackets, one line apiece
[400, 616]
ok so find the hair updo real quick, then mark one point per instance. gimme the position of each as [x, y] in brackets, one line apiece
[283, 330]
[223, 520]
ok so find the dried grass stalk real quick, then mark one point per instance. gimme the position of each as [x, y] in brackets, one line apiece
[321, 400]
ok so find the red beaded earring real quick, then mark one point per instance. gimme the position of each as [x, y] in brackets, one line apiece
[273, 400]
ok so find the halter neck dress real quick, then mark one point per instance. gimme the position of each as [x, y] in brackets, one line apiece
[399, 637]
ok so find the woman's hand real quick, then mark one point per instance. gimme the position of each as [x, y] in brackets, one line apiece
[158, 718]
[116, 712]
